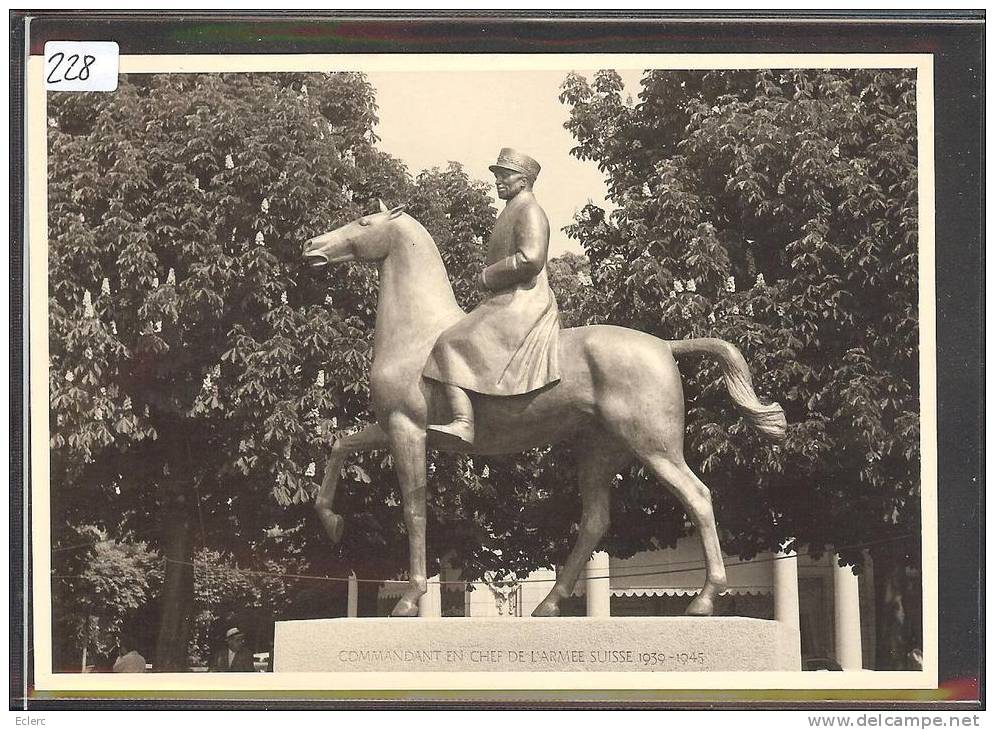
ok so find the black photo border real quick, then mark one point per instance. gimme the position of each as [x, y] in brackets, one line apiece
[956, 41]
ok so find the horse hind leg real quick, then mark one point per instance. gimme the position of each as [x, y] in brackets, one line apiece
[596, 467]
[697, 500]
[369, 438]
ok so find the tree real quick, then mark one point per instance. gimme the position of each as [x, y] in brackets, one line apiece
[96, 604]
[226, 595]
[198, 372]
[196, 369]
[777, 210]
[570, 279]
[457, 211]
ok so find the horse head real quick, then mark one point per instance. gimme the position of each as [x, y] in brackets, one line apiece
[365, 239]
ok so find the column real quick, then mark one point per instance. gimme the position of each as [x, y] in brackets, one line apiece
[597, 585]
[536, 587]
[430, 605]
[786, 589]
[847, 616]
[480, 601]
[352, 597]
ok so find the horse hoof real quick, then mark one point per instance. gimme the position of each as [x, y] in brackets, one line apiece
[405, 609]
[701, 606]
[546, 610]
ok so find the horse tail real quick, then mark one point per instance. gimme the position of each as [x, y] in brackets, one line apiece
[768, 418]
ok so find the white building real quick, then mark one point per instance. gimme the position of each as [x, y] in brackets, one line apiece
[832, 608]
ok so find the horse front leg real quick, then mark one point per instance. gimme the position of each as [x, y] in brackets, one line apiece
[407, 443]
[369, 438]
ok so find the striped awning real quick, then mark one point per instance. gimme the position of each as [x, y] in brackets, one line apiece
[662, 591]
[680, 571]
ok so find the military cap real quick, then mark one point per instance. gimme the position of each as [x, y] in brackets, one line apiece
[509, 159]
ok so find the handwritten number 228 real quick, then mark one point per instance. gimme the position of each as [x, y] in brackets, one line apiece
[82, 75]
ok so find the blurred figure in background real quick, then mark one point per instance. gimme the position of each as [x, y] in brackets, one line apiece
[128, 660]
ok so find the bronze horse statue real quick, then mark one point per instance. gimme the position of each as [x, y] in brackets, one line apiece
[619, 399]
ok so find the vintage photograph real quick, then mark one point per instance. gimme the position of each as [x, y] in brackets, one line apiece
[483, 365]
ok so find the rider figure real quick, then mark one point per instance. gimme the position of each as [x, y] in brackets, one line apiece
[508, 344]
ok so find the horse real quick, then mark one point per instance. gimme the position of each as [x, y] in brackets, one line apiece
[619, 399]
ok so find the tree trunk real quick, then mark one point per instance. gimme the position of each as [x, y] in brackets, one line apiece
[171, 654]
[898, 607]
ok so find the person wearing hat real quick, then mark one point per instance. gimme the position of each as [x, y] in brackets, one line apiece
[508, 345]
[235, 657]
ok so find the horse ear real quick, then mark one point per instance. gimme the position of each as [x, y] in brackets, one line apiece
[397, 210]
[383, 208]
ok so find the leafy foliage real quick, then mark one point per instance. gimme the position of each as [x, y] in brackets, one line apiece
[578, 301]
[178, 206]
[198, 371]
[226, 595]
[196, 366]
[457, 211]
[777, 210]
[194, 362]
[95, 605]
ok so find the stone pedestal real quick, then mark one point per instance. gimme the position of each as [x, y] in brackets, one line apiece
[565, 644]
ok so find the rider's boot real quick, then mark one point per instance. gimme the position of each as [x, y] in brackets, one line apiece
[461, 427]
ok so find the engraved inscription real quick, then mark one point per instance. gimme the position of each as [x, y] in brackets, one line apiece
[569, 657]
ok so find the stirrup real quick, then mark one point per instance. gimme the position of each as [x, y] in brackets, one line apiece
[460, 428]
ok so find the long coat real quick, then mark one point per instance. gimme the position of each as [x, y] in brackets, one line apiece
[242, 661]
[508, 345]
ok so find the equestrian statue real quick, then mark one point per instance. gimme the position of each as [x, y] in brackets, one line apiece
[504, 379]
